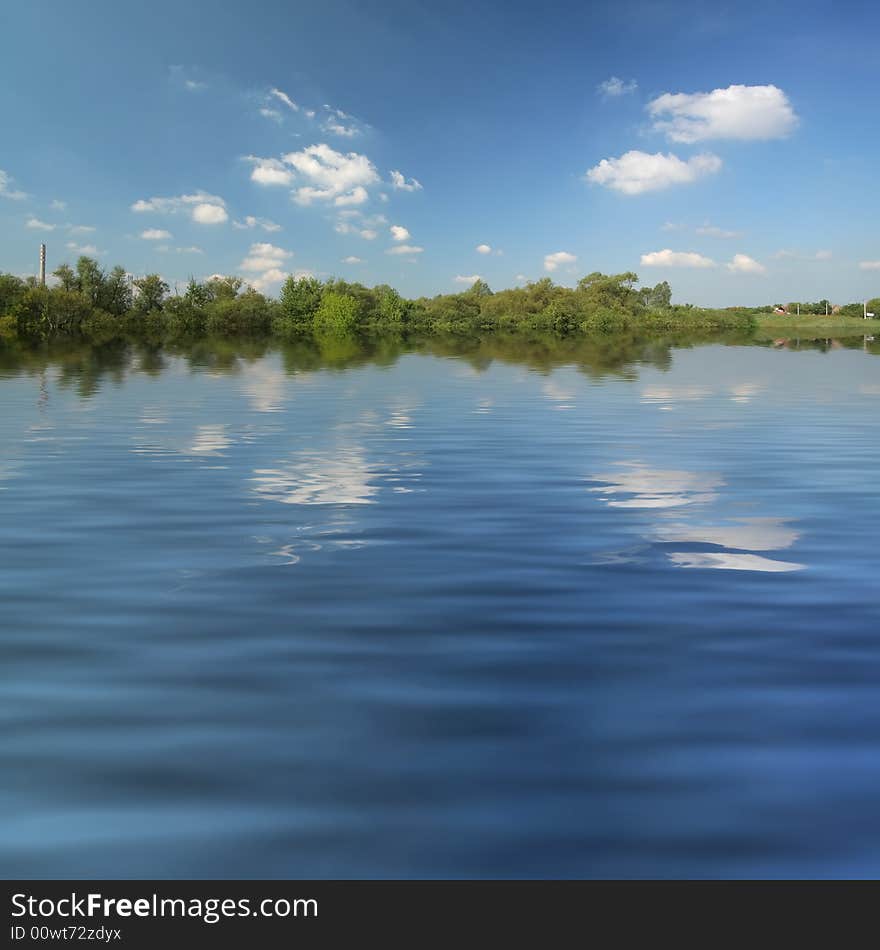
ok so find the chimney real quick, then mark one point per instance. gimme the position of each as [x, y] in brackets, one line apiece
[42, 265]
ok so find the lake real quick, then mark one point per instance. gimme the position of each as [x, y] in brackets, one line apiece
[509, 609]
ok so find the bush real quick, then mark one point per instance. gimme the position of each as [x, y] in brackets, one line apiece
[338, 313]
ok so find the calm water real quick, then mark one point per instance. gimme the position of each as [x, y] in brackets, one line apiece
[610, 610]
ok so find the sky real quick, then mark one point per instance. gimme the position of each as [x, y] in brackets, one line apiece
[729, 148]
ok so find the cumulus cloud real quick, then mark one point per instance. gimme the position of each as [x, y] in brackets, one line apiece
[399, 233]
[269, 171]
[351, 259]
[483, 249]
[553, 261]
[263, 257]
[155, 234]
[332, 176]
[209, 214]
[57, 205]
[272, 114]
[670, 258]
[35, 224]
[193, 85]
[635, 172]
[743, 264]
[400, 182]
[737, 112]
[6, 189]
[251, 221]
[368, 234]
[869, 265]
[80, 228]
[202, 207]
[613, 88]
[469, 280]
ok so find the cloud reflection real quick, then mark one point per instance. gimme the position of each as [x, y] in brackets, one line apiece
[342, 478]
[639, 487]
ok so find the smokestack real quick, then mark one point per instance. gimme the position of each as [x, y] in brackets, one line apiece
[42, 265]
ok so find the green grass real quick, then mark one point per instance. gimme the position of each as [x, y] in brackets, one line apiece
[816, 325]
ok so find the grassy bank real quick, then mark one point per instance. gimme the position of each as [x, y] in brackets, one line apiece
[768, 327]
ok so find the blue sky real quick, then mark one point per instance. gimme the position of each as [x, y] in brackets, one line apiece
[735, 155]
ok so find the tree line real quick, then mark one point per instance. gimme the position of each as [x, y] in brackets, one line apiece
[89, 301]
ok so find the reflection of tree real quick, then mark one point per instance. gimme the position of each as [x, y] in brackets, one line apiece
[86, 366]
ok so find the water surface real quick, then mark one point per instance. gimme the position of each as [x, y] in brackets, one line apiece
[459, 611]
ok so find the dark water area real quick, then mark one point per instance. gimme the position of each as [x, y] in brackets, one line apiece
[508, 609]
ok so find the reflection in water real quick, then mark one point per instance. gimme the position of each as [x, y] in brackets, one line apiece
[745, 392]
[750, 534]
[292, 666]
[665, 395]
[726, 561]
[655, 488]
[341, 478]
[210, 440]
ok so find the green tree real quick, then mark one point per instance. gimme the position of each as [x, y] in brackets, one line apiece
[66, 277]
[90, 280]
[300, 299]
[338, 313]
[151, 293]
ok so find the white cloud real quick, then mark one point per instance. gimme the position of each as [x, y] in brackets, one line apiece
[869, 265]
[672, 226]
[35, 224]
[334, 127]
[156, 234]
[553, 261]
[283, 97]
[737, 112]
[613, 88]
[203, 208]
[352, 260]
[469, 280]
[400, 183]
[57, 205]
[405, 249]
[669, 258]
[264, 257]
[333, 176]
[399, 233]
[709, 230]
[6, 190]
[209, 214]
[368, 234]
[251, 221]
[357, 196]
[743, 264]
[80, 228]
[483, 249]
[824, 255]
[269, 171]
[272, 114]
[635, 172]
[193, 85]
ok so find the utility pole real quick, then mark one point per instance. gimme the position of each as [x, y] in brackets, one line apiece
[42, 265]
